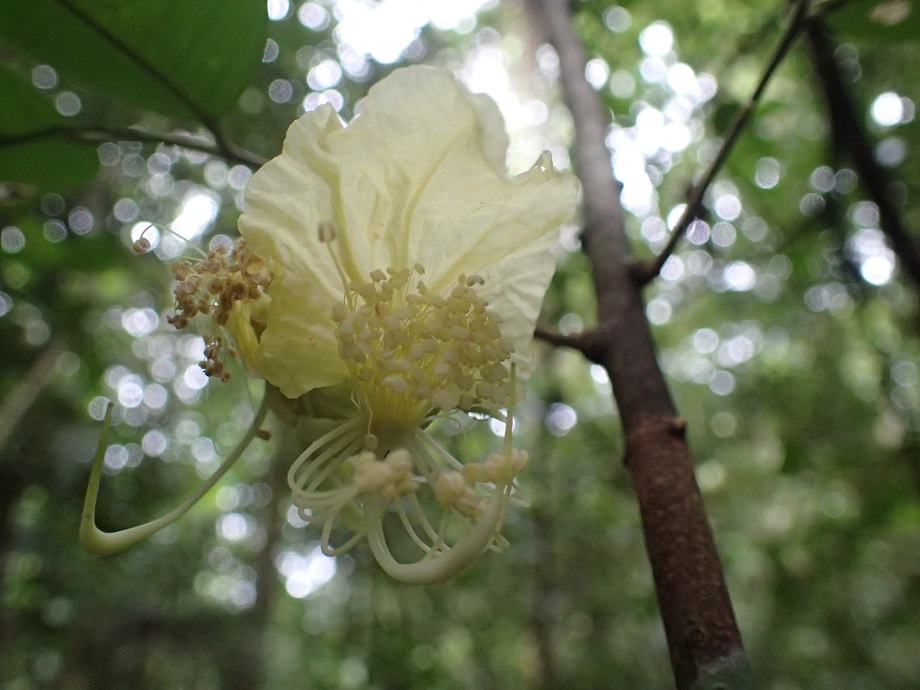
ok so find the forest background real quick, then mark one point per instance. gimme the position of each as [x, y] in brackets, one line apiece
[785, 322]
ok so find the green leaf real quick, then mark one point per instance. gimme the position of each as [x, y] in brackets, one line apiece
[25, 110]
[877, 21]
[48, 164]
[189, 60]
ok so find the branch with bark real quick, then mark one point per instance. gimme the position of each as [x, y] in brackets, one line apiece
[703, 638]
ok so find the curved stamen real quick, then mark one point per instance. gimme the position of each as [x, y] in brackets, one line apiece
[102, 543]
[297, 482]
[441, 561]
[441, 565]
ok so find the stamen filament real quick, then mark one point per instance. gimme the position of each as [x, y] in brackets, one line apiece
[296, 482]
[102, 543]
[442, 565]
[410, 528]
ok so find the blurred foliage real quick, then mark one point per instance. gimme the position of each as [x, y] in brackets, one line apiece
[790, 345]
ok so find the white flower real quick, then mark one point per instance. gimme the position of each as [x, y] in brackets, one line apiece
[407, 273]
[417, 178]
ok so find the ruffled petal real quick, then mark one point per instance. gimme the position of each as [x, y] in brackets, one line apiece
[286, 200]
[418, 177]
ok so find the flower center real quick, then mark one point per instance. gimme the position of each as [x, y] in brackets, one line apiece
[410, 351]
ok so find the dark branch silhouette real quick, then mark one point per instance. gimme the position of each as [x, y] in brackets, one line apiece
[703, 638]
[849, 134]
[228, 152]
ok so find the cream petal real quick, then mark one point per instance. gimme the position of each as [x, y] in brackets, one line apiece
[285, 202]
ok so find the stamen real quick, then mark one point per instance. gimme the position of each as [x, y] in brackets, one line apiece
[410, 351]
[327, 236]
[218, 286]
[102, 543]
[444, 564]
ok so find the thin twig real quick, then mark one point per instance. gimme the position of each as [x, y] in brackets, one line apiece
[695, 203]
[234, 154]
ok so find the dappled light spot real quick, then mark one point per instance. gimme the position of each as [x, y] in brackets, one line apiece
[711, 474]
[876, 260]
[44, 77]
[313, 16]
[739, 276]
[560, 419]
[233, 527]
[767, 173]
[154, 442]
[326, 74]
[812, 205]
[314, 100]
[673, 269]
[822, 178]
[617, 18]
[722, 382]
[54, 231]
[67, 103]
[656, 39]
[196, 213]
[305, 572]
[596, 72]
[845, 181]
[698, 232]
[278, 9]
[724, 425]
[658, 311]
[280, 91]
[12, 239]
[6, 304]
[891, 151]
[888, 109]
[130, 391]
[705, 340]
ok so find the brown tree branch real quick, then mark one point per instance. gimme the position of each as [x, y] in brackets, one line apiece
[589, 343]
[850, 134]
[694, 205]
[703, 638]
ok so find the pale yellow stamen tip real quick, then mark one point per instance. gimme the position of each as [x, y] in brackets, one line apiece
[411, 351]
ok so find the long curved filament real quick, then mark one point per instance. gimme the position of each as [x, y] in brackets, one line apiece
[102, 543]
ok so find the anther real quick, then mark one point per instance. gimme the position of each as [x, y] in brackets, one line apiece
[326, 231]
[141, 245]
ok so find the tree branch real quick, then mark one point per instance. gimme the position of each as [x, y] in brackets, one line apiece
[93, 134]
[694, 205]
[703, 638]
[849, 133]
[589, 343]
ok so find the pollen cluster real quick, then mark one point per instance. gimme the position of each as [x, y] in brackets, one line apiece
[213, 286]
[410, 350]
